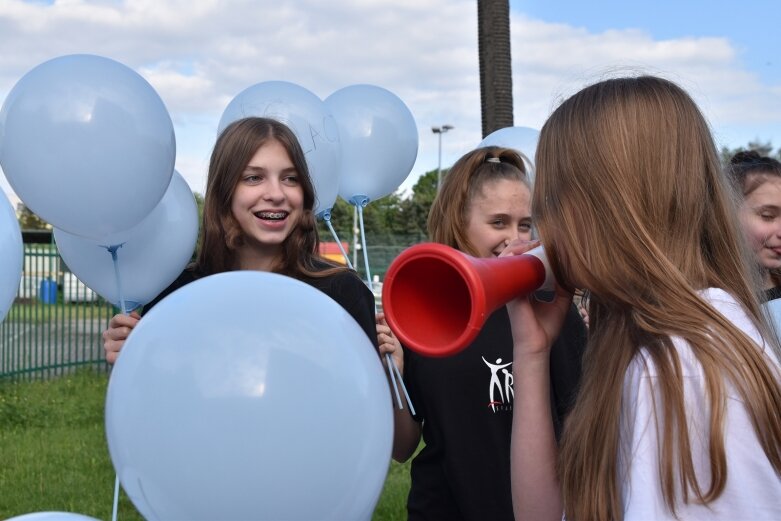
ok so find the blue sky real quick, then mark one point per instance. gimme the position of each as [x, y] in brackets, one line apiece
[752, 25]
[198, 54]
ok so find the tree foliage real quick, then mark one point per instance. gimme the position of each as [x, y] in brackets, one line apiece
[30, 221]
[763, 148]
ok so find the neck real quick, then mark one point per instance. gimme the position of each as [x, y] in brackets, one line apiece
[767, 280]
[258, 260]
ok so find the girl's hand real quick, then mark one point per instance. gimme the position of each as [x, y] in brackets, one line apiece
[535, 324]
[389, 343]
[119, 328]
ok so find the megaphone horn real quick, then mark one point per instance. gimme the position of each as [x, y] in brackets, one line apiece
[436, 298]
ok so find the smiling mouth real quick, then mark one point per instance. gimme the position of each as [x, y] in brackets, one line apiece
[271, 216]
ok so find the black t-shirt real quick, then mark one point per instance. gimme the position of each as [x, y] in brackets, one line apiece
[344, 287]
[465, 402]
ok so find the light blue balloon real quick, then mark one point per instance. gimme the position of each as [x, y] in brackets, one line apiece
[88, 145]
[309, 119]
[522, 139]
[379, 140]
[52, 516]
[11, 255]
[152, 254]
[249, 395]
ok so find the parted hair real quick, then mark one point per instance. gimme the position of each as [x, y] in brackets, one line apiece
[631, 203]
[221, 235]
[447, 218]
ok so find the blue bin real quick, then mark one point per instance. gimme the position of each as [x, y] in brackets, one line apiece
[48, 292]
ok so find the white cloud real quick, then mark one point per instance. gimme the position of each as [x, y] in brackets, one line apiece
[198, 54]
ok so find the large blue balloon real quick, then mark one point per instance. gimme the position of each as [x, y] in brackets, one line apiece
[11, 255]
[249, 395]
[309, 119]
[87, 144]
[152, 253]
[522, 139]
[379, 140]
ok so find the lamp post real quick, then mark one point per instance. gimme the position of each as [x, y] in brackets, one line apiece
[439, 131]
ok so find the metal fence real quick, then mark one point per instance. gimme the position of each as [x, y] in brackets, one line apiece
[55, 323]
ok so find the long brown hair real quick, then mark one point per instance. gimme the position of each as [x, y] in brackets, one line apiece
[631, 203]
[447, 219]
[221, 234]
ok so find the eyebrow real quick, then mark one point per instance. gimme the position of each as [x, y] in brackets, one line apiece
[261, 169]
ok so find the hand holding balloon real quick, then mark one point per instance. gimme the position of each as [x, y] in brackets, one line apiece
[119, 328]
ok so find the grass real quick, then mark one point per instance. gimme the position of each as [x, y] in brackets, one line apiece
[53, 453]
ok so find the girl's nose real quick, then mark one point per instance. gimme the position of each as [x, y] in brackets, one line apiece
[273, 192]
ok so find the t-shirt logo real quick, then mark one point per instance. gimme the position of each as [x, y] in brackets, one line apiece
[503, 386]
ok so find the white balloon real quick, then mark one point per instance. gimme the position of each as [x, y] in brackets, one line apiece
[309, 119]
[151, 256]
[87, 144]
[249, 395]
[11, 255]
[522, 139]
[379, 140]
[52, 516]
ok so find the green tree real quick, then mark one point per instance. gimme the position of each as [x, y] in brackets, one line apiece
[30, 221]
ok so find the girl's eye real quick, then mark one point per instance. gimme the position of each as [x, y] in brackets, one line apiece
[498, 223]
[525, 227]
[767, 217]
[251, 178]
[291, 180]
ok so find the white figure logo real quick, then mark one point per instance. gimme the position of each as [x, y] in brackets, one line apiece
[495, 384]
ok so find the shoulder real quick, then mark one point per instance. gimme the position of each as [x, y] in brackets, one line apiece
[342, 283]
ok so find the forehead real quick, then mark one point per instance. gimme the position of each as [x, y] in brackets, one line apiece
[270, 150]
[767, 193]
[502, 196]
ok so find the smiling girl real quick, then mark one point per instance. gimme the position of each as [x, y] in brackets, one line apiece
[465, 402]
[258, 216]
[759, 180]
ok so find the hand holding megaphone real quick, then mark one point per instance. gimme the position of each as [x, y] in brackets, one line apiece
[436, 298]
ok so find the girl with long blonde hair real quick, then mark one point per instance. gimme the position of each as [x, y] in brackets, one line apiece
[678, 415]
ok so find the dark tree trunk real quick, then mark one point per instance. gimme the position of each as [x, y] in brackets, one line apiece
[496, 82]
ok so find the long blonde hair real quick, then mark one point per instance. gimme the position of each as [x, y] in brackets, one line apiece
[631, 203]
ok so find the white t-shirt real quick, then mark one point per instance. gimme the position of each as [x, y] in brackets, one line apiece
[753, 489]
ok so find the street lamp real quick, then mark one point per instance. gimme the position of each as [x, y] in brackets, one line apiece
[439, 131]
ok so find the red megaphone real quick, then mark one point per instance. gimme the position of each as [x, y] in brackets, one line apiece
[436, 298]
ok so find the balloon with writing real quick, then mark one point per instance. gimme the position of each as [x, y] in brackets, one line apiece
[309, 119]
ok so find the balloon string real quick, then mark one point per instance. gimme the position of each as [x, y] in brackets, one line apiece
[327, 219]
[391, 367]
[114, 257]
[116, 499]
[363, 243]
[403, 388]
[393, 370]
